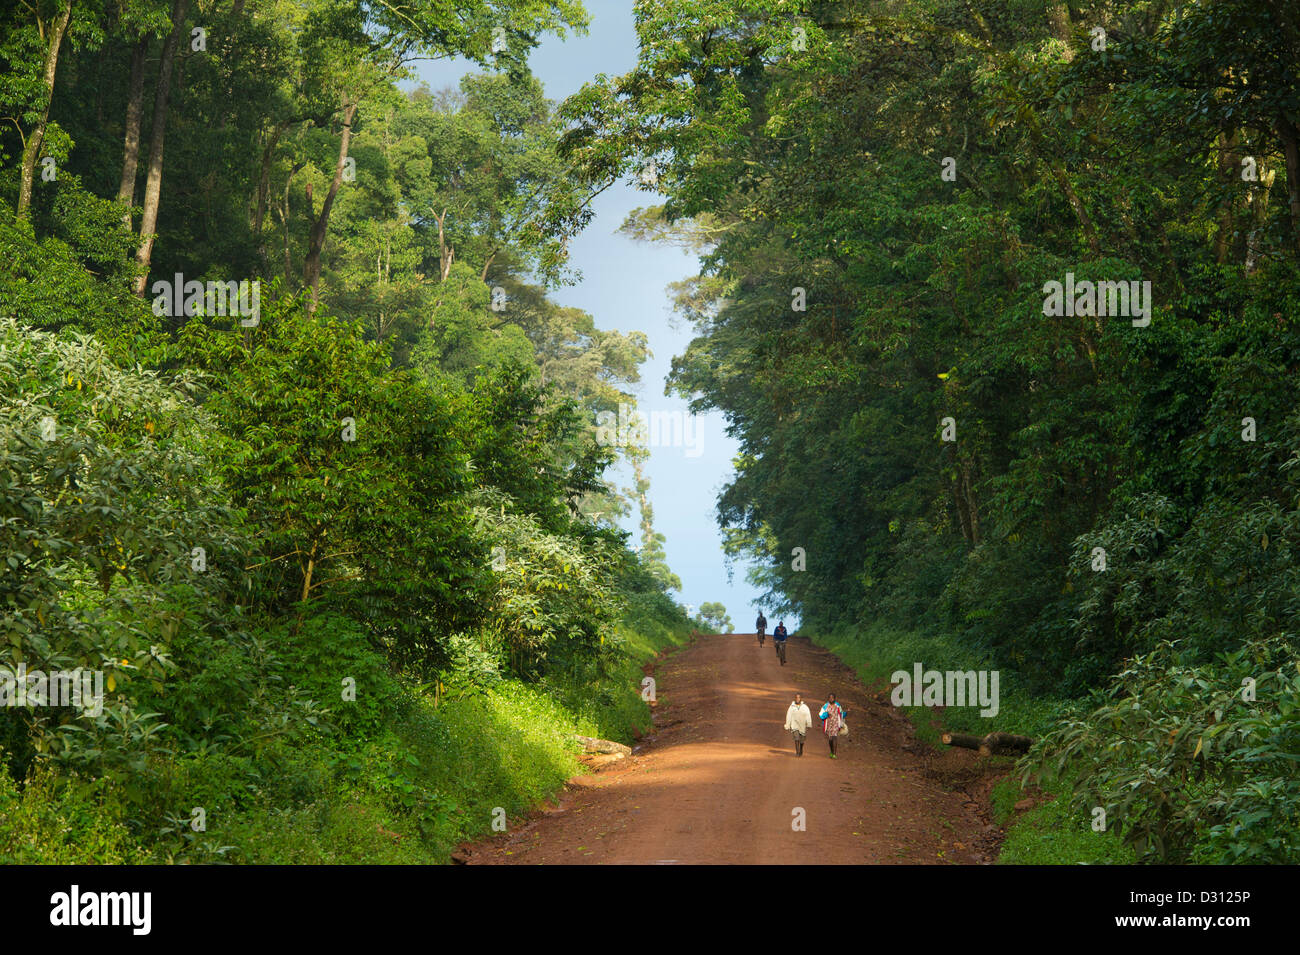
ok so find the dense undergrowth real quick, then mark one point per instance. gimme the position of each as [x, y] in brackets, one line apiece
[1003, 317]
[313, 492]
[1174, 760]
[246, 717]
[404, 782]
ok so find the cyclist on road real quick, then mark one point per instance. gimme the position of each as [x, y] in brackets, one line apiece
[760, 626]
[779, 637]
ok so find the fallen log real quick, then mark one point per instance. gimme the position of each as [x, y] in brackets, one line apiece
[994, 744]
[1001, 744]
[598, 761]
[592, 745]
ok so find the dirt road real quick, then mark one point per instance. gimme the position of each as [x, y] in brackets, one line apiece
[718, 781]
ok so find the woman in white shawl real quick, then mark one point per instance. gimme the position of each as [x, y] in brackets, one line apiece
[797, 720]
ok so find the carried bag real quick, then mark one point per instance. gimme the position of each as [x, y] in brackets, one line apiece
[844, 729]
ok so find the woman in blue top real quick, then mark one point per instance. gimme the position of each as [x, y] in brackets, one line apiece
[833, 716]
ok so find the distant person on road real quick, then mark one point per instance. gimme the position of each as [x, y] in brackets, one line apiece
[832, 715]
[779, 636]
[760, 627]
[797, 720]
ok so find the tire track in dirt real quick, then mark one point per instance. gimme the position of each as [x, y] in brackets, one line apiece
[718, 781]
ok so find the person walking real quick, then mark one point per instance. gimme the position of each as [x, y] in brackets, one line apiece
[797, 720]
[760, 625]
[832, 715]
[779, 637]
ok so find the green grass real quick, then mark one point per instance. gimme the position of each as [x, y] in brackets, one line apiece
[430, 781]
[877, 651]
[395, 780]
[1048, 834]
[436, 776]
[51, 821]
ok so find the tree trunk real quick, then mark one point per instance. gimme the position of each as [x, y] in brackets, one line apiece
[1291, 149]
[1229, 170]
[1080, 212]
[994, 744]
[1004, 744]
[972, 505]
[445, 254]
[1058, 15]
[32, 148]
[309, 570]
[134, 115]
[316, 242]
[1259, 214]
[284, 221]
[264, 189]
[306, 579]
[153, 183]
[963, 520]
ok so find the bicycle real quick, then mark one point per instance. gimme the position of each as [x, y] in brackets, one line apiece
[780, 650]
[760, 636]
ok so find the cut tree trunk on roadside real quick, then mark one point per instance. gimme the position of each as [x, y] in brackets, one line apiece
[593, 745]
[598, 761]
[994, 744]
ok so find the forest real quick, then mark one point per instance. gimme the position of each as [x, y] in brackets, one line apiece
[941, 463]
[999, 299]
[296, 447]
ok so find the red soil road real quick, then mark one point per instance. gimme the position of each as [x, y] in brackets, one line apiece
[718, 782]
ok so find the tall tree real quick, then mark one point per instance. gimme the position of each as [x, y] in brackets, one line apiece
[157, 138]
[51, 24]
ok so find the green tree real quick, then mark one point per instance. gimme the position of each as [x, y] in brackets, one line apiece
[714, 617]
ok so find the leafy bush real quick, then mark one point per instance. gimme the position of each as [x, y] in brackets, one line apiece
[551, 598]
[320, 653]
[104, 493]
[1187, 765]
[63, 821]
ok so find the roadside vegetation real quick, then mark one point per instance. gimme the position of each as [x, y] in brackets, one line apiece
[296, 451]
[942, 461]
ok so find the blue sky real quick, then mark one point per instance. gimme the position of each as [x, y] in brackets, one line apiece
[624, 287]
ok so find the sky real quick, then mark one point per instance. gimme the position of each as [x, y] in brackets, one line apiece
[624, 287]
